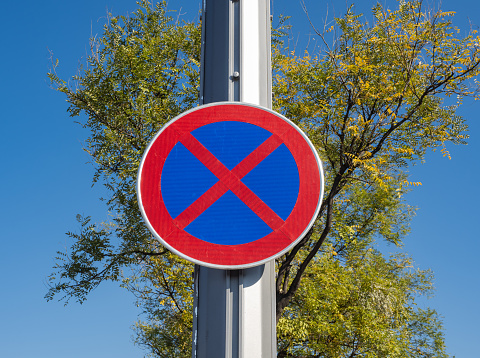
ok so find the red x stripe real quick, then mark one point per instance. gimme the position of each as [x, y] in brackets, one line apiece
[229, 180]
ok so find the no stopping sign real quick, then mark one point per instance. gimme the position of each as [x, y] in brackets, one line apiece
[230, 185]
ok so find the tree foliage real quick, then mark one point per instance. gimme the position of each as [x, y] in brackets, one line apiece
[373, 103]
[373, 100]
[362, 306]
[141, 73]
[163, 287]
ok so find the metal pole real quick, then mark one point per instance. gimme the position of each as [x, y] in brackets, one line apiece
[234, 311]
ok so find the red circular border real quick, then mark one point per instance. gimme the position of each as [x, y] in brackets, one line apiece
[229, 256]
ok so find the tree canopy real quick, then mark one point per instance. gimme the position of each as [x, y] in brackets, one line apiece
[373, 99]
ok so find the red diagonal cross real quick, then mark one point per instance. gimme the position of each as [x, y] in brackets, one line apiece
[229, 180]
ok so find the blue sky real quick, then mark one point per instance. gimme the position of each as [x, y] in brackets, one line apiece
[46, 182]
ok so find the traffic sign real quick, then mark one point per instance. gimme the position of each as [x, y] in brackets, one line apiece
[230, 185]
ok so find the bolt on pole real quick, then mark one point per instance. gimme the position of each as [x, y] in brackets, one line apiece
[234, 310]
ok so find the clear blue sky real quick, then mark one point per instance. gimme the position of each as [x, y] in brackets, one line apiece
[45, 182]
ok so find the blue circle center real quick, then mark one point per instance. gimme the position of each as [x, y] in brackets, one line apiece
[229, 221]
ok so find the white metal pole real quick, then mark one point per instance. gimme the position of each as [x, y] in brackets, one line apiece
[234, 310]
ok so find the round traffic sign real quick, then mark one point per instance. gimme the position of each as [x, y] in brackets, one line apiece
[230, 185]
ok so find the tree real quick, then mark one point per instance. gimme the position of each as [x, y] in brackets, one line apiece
[373, 101]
